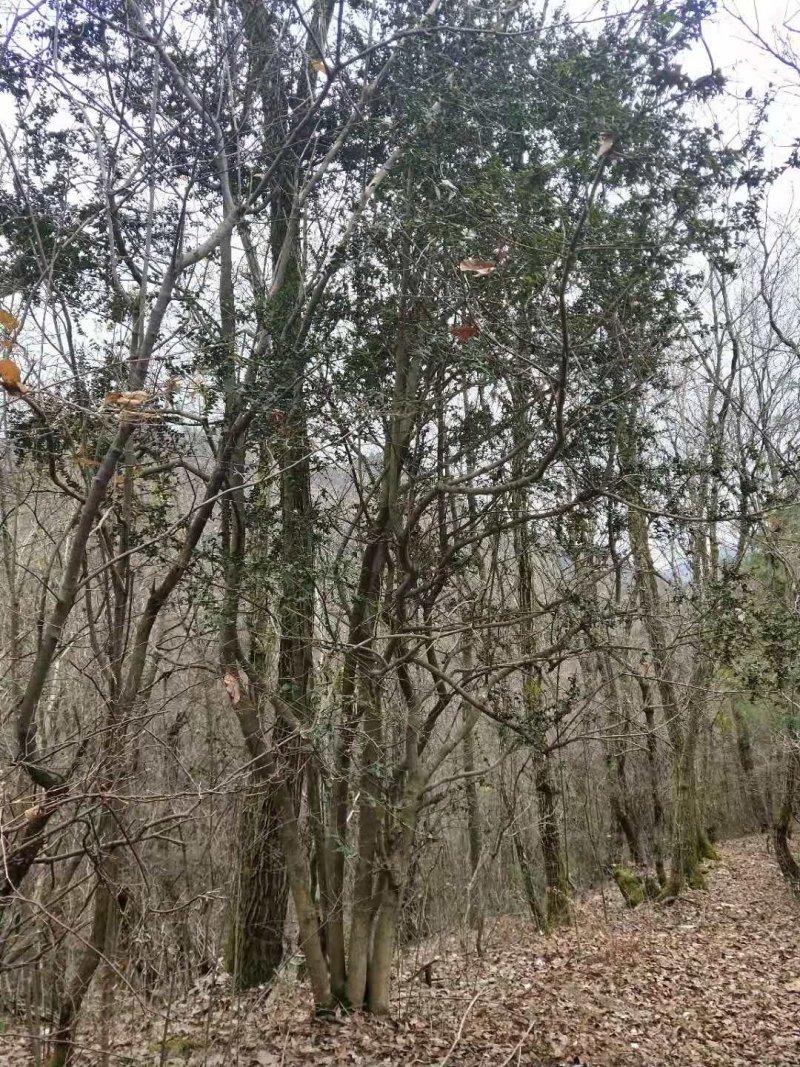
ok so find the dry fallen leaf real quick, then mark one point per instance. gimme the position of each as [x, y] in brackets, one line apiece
[231, 682]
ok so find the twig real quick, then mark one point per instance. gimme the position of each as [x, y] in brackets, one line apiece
[518, 1045]
[460, 1030]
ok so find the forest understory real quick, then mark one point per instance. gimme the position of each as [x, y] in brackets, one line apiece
[712, 978]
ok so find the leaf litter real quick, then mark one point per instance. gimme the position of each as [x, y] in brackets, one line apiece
[712, 979]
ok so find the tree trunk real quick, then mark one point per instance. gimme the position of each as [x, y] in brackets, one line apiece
[685, 827]
[790, 869]
[393, 879]
[369, 823]
[90, 958]
[555, 871]
[557, 883]
[474, 828]
[621, 806]
[258, 915]
[744, 750]
[528, 883]
[657, 843]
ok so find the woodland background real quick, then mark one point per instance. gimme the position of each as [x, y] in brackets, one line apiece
[398, 484]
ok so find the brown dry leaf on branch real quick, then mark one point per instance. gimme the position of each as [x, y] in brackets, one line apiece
[8, 321]
[605, 144]
[465, 331]
[132, 400]
[471, 265]
[231, 683]
[10, 377]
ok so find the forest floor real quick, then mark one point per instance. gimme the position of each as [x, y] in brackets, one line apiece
[712, 979]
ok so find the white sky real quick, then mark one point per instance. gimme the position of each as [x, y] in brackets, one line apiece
[745, 64]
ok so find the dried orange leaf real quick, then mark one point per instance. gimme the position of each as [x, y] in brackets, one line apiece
[134, 399]
[477, 266]
[9, 375]
[231, 682]
[465, 331]
[8, 321]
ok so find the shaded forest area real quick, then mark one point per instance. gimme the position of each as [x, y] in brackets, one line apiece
[400, 536]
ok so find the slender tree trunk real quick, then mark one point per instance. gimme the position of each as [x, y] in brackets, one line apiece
[369, 823]
[475, 836]
[621, 805]
[653, 770]
[528, 883]
[685, 855]
[91, 955]
[790, 869]
[474, 828]
[744, 750]
[393, 881]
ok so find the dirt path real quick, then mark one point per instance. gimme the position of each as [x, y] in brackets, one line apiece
[713, 979]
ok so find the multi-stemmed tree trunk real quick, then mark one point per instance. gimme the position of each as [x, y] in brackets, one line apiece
[686, 853]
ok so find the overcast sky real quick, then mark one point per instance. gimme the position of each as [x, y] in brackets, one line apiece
[745, 64]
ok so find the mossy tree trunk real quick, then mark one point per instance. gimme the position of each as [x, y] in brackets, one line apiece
[555, 868]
